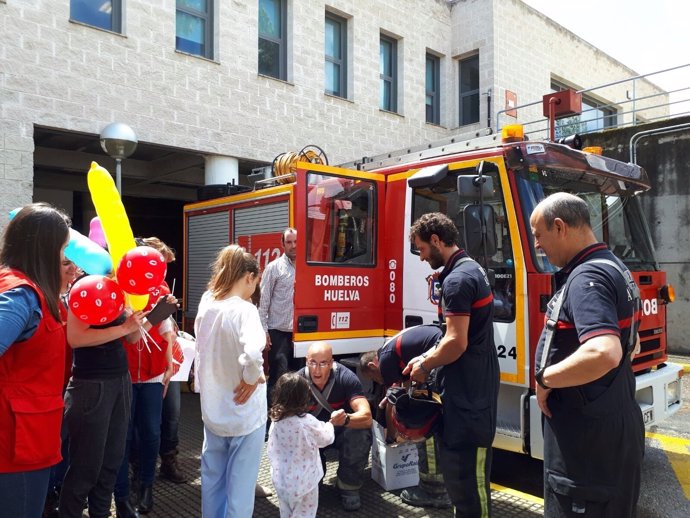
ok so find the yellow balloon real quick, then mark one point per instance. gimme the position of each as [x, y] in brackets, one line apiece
[114, 220]
[136, 302]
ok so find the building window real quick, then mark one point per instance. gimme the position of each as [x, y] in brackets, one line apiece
[595, 115]
[193, 32]
[272, 38]
[388, 50]
[335, 55]
[469, 90]
[105, 14]
[433, 86]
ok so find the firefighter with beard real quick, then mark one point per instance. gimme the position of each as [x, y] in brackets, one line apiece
[468, 375]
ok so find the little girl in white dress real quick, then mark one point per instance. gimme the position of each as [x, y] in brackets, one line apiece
[293, 447]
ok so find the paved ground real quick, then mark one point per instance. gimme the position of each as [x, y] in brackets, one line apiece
[172, 500]
[183, 500]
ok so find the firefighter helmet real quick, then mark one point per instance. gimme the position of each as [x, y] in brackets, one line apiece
[416, 411]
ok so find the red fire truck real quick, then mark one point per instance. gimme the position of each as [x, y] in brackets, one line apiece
[359, 280]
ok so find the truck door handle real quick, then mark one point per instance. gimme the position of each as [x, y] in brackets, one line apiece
[544, 303]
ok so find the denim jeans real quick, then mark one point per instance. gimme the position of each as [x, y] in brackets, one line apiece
[147, 405]
[279, 358]
[229, 470]
[97, 414]
[170, 420]
[23, 493]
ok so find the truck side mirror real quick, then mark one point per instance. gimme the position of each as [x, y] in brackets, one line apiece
[469, 187]
[427, 176]
[472, 216]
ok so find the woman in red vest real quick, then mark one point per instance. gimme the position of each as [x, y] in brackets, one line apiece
[32, 356]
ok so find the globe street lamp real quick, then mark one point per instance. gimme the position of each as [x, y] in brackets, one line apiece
[119, 141]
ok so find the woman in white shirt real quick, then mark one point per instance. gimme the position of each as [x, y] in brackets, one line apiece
[230, 340]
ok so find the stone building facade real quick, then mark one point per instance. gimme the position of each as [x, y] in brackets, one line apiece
[61, 76]
[215, 89]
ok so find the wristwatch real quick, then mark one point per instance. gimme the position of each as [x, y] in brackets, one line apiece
[539, 378]
[347, 419]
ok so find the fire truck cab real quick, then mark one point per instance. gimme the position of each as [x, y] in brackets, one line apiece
[359, 280]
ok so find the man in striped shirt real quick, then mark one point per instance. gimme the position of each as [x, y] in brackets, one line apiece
[276, 308]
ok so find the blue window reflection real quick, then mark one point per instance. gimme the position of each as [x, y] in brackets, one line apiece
[190, 34]
[104, 14]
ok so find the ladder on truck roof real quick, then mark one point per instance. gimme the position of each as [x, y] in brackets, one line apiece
[464, 142]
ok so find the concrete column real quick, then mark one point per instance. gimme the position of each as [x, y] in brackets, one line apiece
[221, 170]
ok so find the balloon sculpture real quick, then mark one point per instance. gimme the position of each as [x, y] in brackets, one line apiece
[96, 232]
[96, 300]
[87, 255]
[83, 252]
[114, 220]
[141, 271]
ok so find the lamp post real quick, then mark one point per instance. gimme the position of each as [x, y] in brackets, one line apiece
[119, 141]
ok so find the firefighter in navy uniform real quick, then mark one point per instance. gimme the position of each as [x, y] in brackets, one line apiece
[385, 366]
[593, 429]
[468, 374]
[338, 397]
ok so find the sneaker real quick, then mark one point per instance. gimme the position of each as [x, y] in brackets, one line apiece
[350, 500]
[419, 498]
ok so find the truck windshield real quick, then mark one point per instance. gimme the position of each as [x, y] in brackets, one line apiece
[616, 220]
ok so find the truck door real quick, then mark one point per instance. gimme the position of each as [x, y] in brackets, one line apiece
[338, 281]
[435, 189]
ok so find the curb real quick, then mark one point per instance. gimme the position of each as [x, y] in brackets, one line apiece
[682, 361]
[518, 494]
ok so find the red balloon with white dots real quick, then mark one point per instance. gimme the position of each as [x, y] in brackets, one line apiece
[96, 300]
[141, 270]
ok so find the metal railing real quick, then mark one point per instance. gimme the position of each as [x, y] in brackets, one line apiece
[629, 111]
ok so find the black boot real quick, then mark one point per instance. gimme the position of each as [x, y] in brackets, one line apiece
[170, 469]
[146, 499]
[124, 509]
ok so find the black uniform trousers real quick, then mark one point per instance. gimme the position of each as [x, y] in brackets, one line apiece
[466, 472]
[430, 476]
[353, 447]
[593, 452]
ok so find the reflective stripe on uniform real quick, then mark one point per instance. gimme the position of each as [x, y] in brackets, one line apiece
[481, 482]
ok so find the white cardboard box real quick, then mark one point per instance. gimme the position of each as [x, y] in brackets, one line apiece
[393, 466]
